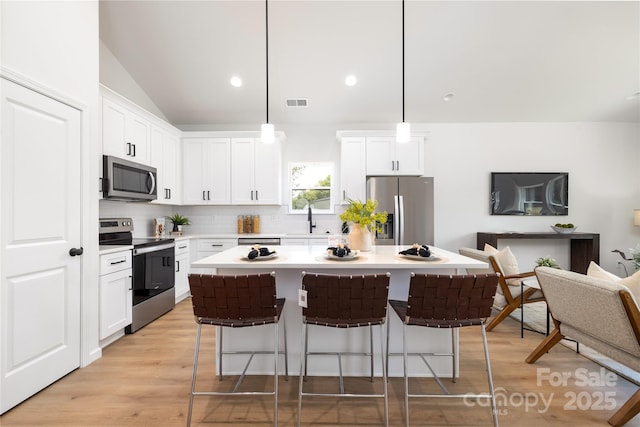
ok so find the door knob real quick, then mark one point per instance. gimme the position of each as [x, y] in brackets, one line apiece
[75, 251]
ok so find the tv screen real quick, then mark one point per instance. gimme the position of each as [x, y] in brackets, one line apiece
[535, 193]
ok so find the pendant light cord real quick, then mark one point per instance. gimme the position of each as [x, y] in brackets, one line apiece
[266, 19]
[402, 61]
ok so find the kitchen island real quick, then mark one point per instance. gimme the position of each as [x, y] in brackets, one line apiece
[290, 262]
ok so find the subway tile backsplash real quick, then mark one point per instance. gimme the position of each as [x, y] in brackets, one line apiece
[220, 219]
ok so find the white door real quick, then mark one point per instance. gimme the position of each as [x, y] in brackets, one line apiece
[40, 217]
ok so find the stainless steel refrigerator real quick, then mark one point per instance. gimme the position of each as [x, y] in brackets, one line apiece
[409, 203]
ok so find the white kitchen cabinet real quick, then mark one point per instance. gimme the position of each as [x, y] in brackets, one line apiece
[353, 169]
[385, 156]
[182, 261]
[305, 241]
[203, 248]
[255, 172]
[116, 295]
[125, 133]
[165, 157]
[206, 171]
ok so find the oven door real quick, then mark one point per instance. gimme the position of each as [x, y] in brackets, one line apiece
[126, 180]
[153, 271]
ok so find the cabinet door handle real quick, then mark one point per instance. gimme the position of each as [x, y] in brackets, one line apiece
[203, 195]
[177, 266]
[169, 192]
[118, 262]
[257, 195]
[134, 149]
[182, 247]
[208, 195]
[397, 165]
[216, 245]
[128, 148]
[393, 165]
[251, 194]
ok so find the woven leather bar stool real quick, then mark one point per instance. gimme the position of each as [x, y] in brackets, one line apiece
[446, 301]
[237, 302]
[344, 302]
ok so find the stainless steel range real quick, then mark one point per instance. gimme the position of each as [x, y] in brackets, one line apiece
[153, 270]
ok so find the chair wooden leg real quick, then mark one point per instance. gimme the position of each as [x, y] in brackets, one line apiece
[504, 313]
[545, 346]
[630, 409]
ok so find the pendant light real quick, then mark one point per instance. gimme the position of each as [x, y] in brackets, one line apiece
[403, 129]
[267, 132]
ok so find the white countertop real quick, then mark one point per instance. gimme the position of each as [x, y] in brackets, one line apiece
[300, 257]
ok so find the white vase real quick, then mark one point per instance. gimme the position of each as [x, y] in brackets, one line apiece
[360, 238]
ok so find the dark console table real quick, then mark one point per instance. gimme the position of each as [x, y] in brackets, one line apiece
[585, 247]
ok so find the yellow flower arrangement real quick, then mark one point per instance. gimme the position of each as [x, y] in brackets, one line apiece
[364, 214]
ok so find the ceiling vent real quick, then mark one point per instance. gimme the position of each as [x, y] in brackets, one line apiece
[299, 102]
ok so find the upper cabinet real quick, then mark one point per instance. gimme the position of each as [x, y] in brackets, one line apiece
[132, 133]
[385, 156]
[165, 156]
[206, 171]
[125, 133]
[353, 169]
[255, 172]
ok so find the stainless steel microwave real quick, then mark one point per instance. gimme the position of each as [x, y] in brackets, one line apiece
[127, 180]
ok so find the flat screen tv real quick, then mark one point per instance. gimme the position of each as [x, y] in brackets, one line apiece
[530, 193]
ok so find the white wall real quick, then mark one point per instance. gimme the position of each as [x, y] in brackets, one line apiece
[115, 77]
[52, 46]
[601, 159]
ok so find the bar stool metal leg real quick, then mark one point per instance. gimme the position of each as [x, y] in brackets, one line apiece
[193, 375]
[371, 349]
[303, 368]
[220, 328]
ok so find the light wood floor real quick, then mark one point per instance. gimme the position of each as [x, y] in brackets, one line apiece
[144, 380]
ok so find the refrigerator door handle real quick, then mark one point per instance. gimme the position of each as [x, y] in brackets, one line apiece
[401, 220]
[396, 221]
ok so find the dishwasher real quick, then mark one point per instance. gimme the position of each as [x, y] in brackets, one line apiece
[262, 241]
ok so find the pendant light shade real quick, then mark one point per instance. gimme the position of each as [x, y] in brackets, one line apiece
[403, 130]
[267, 131]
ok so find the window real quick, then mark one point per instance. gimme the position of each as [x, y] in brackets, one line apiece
[310, 184]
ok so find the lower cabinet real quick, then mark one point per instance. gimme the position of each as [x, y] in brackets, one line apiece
[116, 295]
[207, 247]
[304, 241]
[182, 261]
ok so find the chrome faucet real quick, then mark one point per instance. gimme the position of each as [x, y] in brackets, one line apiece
[310, 219]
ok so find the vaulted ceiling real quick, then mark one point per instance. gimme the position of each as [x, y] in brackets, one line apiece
[536, 61]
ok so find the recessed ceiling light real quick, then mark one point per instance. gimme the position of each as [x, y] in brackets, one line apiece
[351, 80]
[236, 81]
[448, 97]
[633, 96]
